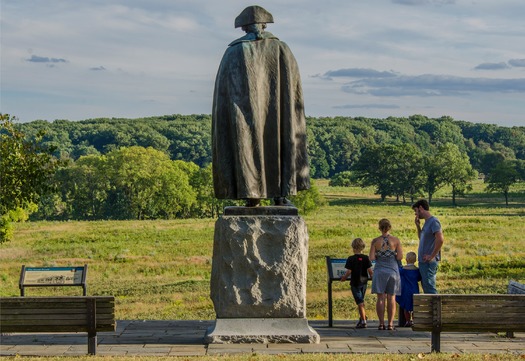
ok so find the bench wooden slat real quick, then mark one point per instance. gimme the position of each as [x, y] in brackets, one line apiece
[468, 313]
[52, 300]
[36, 306]
[40, 329]
[61, 327]
[47, 311]
[481, 328]
[59, 314]
[51, 321]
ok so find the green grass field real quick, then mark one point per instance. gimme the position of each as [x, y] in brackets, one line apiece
[161, 269]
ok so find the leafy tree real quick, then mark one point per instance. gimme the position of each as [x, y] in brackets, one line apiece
[519, 165]
[448, 165]
[440, 131]
[129, 183]
[85, 186]
[342, 179]
[149, 184]
[395, 131]
[52, 136]
[190, 142]
[501, 178]
[372, 169]
[319, 167]
[409, 176]
[308, 200]
[25, 171]
[455, 169]
[344, 150]
[201, 181]
[482, 157]
[82, 149]
[433, 180]
[322, 161]
[392, 170]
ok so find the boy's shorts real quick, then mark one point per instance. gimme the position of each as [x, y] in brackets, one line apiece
[359, 293]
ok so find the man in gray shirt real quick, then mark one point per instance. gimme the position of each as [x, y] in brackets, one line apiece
[430, 242]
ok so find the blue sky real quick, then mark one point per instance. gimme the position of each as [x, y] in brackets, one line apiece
[66, 59]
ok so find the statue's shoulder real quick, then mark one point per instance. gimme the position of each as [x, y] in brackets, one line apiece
[251, 37]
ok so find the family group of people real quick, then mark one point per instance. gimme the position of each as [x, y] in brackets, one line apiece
[390, 280]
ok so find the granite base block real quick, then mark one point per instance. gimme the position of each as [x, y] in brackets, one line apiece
[265, 330]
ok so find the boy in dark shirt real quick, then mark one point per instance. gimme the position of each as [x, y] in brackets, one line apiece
[359, 268]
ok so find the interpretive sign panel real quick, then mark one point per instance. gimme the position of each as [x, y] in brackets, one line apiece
[336, 268]
[52, 277]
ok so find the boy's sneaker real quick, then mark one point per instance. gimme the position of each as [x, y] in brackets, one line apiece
[361, 324]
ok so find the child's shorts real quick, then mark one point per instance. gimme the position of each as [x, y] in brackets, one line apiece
[359, 293]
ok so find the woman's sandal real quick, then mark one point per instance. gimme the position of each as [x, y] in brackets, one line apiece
[390, 328]
[381, 327]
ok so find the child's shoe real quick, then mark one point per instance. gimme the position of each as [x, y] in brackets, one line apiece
[361, 324]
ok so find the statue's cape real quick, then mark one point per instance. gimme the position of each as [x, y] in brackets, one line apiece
[252, 37]
[258, 122]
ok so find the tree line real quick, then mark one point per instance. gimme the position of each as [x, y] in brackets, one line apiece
[335, 144]
[159, 167]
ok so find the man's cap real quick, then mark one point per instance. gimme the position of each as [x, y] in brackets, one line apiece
[253, 15]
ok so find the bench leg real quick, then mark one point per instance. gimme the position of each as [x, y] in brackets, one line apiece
[92, 343]
[435, 342]
[92, 325]
[510, 334]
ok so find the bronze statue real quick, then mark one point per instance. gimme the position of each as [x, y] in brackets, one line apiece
[258, 121]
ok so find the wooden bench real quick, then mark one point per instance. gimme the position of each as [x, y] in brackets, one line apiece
[59, 314]
[467, 313]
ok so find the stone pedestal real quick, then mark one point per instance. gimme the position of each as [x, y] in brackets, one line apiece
[262, 330]
[258, 279]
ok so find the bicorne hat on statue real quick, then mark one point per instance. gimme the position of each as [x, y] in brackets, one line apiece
[253, 15]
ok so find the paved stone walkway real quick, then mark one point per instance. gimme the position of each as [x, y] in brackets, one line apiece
[185, 338]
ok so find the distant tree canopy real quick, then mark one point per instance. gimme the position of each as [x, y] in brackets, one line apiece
[335, 144]
[128, 168]
[182, 137]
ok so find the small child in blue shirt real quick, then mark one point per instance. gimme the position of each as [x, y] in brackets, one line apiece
[359, 268]
[410, 278]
